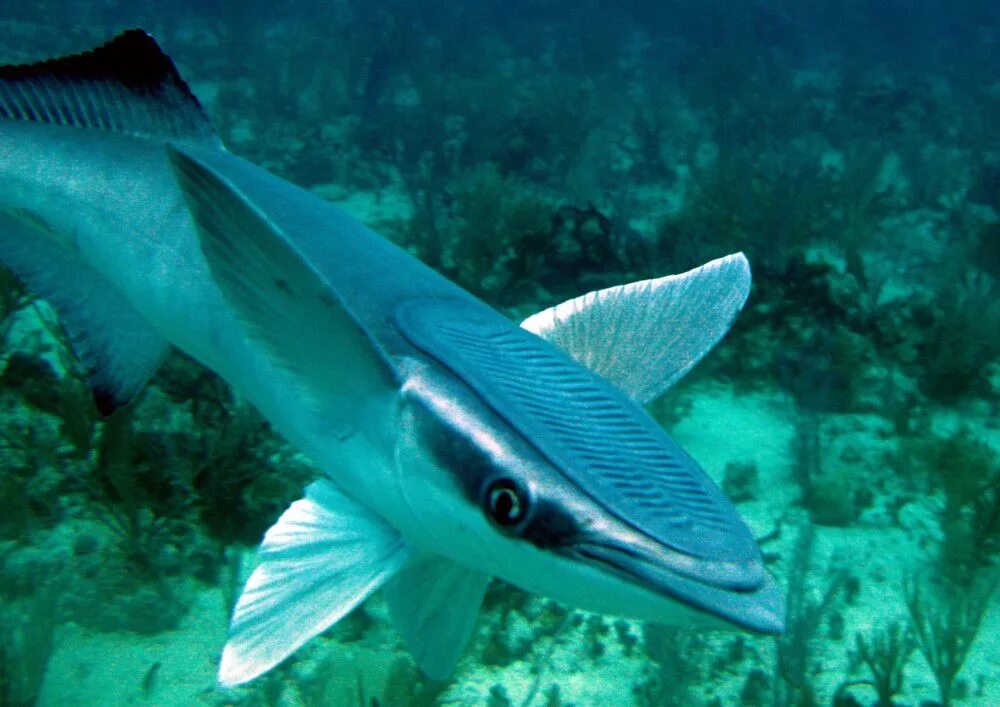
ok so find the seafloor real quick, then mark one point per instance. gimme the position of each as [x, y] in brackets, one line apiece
[533, 151]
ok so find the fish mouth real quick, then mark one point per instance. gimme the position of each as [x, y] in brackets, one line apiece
[739, 593]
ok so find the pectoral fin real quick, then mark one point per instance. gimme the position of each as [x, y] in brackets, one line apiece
[434, 603]
[645, 336]
[322, 558]
[285, 304]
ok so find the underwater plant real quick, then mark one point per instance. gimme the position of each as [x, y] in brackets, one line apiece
[805, 613]
[143, 474]
[677, 656]
[509, 241]
[27, 629]
[885, 654]
[741, 481]
[967, 470]
[401, 684]
[495, 219]
[961, 339]
[945, 624]
[807, 453]
[770, 204]
[13, 298]
[833, 498]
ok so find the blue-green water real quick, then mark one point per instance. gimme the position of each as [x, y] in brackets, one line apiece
[533, 151]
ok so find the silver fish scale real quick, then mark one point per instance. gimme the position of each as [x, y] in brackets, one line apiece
[590, 431]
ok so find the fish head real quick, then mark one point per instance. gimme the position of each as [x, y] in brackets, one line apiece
[521, 463]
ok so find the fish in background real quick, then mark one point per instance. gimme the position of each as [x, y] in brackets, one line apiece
[457, 445]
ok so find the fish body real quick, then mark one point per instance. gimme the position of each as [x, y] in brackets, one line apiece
[458, 445]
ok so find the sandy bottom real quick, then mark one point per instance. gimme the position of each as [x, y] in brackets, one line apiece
[178, 667]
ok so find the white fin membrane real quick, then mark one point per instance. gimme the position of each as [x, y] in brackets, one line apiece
[434, 603]
[645, 336]
[323, 557]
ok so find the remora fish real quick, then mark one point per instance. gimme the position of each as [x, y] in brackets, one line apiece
[459, 446]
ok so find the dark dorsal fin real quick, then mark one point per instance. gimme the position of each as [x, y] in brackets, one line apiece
[127, 85]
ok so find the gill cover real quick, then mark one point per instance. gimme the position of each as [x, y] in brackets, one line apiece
[593, 434]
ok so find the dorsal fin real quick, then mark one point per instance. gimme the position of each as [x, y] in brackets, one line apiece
[127, 85]
[116, 345]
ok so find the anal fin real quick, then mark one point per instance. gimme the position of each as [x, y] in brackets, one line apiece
[434, 603]
[116, 345]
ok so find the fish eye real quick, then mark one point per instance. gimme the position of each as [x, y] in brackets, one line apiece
[506, 503]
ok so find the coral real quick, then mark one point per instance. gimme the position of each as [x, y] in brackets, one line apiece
[150, 481]
[151, 679]
[507, 636]
[671, 407]
[596, 632]
[986, 523]
[751, 197]
[822, 345]
[239, 475]
[804, 331]
[806, 453]
[489, 234]
[553, 697]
